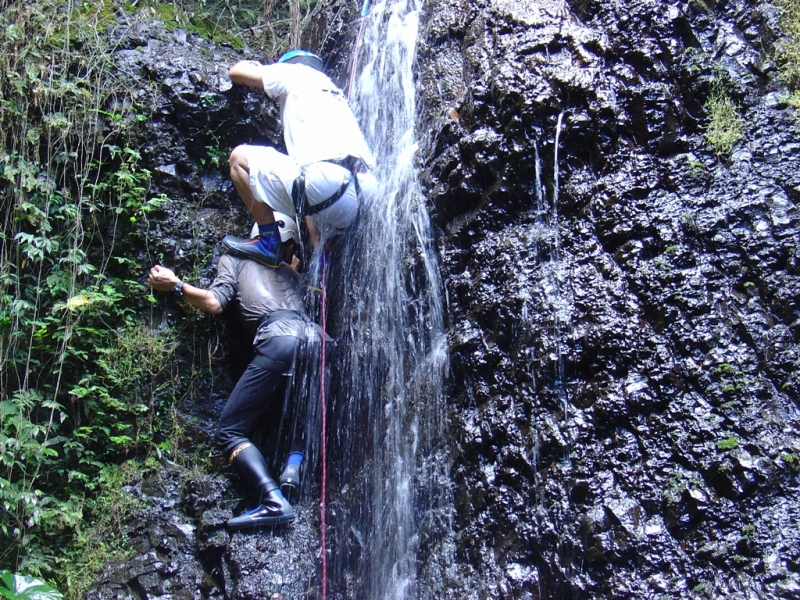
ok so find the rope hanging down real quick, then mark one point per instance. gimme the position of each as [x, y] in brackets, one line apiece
[324, 424]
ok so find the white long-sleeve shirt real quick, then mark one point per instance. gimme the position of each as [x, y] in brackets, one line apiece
[318, 123]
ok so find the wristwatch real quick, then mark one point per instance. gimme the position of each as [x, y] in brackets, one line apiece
[178, 289]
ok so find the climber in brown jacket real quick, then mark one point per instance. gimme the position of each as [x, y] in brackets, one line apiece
[270, 302]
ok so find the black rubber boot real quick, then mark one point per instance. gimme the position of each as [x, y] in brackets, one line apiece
[273, 509]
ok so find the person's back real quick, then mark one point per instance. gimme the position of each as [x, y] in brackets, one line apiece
[318, 123]
[259, 290]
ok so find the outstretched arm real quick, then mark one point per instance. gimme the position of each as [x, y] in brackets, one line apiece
[163, 279]
[247, 72]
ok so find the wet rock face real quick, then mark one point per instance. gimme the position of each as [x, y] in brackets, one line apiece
[623, 303]
[181, 549]
[190, 118]
[623, 316]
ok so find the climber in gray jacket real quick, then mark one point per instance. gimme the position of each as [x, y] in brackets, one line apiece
[324, 175]
[270, 303]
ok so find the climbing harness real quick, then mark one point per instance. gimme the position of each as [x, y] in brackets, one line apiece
[300, 198]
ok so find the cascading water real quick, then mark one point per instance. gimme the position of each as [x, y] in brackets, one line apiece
[386, 427]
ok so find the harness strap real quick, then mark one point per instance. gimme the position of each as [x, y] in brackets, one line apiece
[299, 195]
[315, 208]
[300, 199]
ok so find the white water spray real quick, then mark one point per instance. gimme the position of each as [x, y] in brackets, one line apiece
[389, 369]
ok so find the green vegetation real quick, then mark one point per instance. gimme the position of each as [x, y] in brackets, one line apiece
[725, 126]
[73, 402]
[733, 380]
[20, 587]
[729, 443]
[748, 531]
[272, 27]
[89, 392]
[676, 485]
[788, 51]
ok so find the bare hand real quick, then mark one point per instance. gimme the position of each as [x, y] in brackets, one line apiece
[162, 279]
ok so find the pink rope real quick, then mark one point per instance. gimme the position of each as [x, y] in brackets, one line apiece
[323, 499]
[355, 56]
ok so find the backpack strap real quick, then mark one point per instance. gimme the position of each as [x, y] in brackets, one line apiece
[299, 197]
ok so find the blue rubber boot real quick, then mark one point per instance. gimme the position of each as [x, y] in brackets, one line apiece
[290, 477]
[266, 249]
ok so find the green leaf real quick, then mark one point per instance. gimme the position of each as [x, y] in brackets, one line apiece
[7, 407]
[20, 587]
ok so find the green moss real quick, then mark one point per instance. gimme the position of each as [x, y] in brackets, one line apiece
[748, 531]
[729, 443]
[788, 51]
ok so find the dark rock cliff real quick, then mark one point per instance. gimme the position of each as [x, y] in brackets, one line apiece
[623, 304]
[624, 358]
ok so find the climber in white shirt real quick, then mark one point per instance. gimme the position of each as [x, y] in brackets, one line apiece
[324, 175]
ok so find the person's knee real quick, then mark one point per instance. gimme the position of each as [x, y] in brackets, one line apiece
[238, 159]
[221, 439]
[228, 437]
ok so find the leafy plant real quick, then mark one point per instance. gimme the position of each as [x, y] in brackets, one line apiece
[75, 202]
[20, 587]
[88, 385]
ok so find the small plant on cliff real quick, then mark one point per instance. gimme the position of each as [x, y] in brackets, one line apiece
[102, 537]
[788, 50]
[729, 443]
[725, 125]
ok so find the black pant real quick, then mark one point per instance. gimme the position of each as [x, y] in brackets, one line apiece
[263, 383]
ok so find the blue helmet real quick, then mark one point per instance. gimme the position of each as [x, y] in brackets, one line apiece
[303, 57]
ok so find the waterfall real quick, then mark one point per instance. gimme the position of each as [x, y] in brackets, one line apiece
[388, 467]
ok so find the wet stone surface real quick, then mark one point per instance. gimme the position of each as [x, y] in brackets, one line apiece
[181, 549]
[624, 360]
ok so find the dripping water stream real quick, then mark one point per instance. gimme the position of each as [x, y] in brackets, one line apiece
[386, 429]
[544, 330]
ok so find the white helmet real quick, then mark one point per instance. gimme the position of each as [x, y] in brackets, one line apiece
[287, 227]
